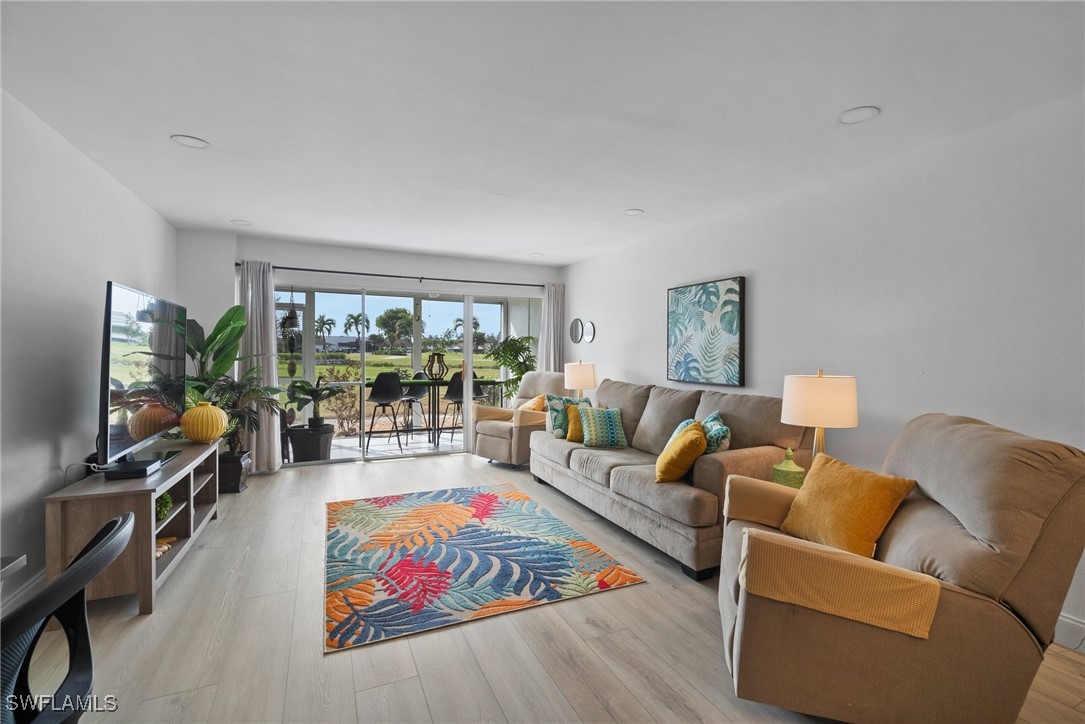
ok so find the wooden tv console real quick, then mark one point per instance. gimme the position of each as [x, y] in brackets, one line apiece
[74, 514]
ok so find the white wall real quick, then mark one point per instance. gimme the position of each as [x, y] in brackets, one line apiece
[947, 279]
[68, 227]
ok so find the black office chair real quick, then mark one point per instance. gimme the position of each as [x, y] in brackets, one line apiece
[385, 395]
[454, 395]
[65, 599]
[414, 394]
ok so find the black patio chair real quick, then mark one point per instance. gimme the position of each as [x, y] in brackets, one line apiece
[415, 394]
[385, 395]
[64, 599]
[454, 395]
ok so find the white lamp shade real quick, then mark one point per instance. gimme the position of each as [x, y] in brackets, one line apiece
[580, 376]
[820, 401]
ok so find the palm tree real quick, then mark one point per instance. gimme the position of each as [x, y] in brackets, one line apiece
[357, 323]
[323, 326]
[457, 325]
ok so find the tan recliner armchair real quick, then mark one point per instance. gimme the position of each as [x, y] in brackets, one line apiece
[503, 434]
[950, 620]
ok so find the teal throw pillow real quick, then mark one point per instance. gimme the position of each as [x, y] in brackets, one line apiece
[603, 428]
[717, 434]
[559, 420]
[681, 426]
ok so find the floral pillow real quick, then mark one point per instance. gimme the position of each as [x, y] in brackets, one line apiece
[557, 418]
[716, 433]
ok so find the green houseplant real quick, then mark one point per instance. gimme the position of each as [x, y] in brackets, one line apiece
[517, 355]
[213, 355]
[312, 442]
[303, 392]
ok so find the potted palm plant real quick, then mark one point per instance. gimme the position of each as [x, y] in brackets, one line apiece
[213, 355]
[313, 442]
[242, 399]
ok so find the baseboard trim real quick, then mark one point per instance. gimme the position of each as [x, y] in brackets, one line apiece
[1070, 632]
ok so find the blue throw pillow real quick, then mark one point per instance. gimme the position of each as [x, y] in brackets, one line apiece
[717, 434]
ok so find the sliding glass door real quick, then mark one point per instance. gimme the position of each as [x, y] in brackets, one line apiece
[411, 366]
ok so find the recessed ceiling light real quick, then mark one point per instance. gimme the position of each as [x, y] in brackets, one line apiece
[241, 222]
[633, 212]
[536, 253]
[858, 115]
[190, 141]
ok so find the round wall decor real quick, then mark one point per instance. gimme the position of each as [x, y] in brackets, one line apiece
[589, 332]
[576, 330]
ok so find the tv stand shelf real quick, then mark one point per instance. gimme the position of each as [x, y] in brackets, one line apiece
[74, 514]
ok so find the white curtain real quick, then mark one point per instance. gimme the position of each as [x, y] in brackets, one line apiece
[552, 334]
[258, 343]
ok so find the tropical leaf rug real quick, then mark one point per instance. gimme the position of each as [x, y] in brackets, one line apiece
[402, 564]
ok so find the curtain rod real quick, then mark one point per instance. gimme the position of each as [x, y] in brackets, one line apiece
[403, 276]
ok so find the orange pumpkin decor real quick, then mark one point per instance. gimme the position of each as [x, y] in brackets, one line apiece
[204, 422]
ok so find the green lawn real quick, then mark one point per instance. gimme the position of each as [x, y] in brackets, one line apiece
[485, 368]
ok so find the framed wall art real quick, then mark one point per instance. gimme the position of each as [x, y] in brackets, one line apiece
[705, 330]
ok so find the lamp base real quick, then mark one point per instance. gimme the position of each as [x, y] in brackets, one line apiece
[819, 442]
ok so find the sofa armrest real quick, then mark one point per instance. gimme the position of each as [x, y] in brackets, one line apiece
[485, 412]
[710, 472]
[757, 501]
[838, 583]
[528, 418]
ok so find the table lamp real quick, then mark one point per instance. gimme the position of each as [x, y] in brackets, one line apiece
[580, 376]
[820, 401]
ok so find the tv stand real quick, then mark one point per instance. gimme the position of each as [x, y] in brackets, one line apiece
[75, 513]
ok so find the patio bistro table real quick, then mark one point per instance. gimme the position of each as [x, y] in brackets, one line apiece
[433, 400]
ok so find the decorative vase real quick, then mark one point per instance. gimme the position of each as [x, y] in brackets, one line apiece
[435, 366]
[151, 420]
[788, 472]
[204, 422]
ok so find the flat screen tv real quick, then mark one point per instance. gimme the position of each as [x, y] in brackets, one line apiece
[143, 375]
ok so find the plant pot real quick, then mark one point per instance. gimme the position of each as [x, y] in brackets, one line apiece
[316, 423]
[309, 444]
[233, 471]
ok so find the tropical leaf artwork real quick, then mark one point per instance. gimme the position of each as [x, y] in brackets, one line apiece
[403, 564]
[704, 332]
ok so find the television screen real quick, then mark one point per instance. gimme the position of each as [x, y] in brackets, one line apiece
[143, 371]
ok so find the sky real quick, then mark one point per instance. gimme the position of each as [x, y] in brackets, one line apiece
[438, 314]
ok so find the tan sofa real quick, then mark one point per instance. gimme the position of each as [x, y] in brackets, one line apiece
[502, 434]
[683, 519]
[994, 530]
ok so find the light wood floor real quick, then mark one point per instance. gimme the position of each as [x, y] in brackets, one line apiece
[237, 633]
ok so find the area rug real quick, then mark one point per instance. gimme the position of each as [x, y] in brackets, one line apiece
[402, 564]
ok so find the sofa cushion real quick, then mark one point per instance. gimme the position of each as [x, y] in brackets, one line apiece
[844, 507]
[597, 463]
[678, 501]
[681, 452]
[665, 409]
[494, 428]
[630, 399]
[535, 404]
[753, 419]
[602, 428]
[534, 384]
[551, 448]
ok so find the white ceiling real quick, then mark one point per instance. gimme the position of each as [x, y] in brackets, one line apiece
[500, 129]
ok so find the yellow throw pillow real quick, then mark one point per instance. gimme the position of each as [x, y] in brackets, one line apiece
[535, 404]
[844, 507]
[575, 433]
[680, 454]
